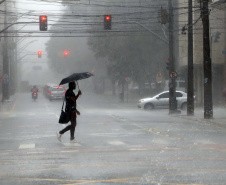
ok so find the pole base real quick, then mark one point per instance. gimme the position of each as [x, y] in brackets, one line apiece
[174, 112]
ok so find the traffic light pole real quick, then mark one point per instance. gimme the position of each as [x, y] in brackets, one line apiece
[5, 84]
[190, 97]
[172, 81]
[207, 66]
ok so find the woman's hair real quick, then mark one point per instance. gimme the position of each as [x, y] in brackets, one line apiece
[71, 84]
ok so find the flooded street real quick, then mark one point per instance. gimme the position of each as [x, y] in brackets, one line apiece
[115, 145]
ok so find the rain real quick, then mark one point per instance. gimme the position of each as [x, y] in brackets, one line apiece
[141, 85]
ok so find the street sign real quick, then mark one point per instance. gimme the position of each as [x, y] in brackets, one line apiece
[173, 75]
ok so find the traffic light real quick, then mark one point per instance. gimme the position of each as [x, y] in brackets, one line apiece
[107, 22]
[39, 54]
[167, 64]
[164, 16]
[66, 53]
[43, 23]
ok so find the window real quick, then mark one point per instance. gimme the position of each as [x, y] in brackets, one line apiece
[164, 95]
[57, 89]
[178, 94]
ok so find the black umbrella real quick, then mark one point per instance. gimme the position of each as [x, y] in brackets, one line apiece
[75, 77]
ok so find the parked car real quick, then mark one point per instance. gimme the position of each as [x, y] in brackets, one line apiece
[161, 100]
[56, 92]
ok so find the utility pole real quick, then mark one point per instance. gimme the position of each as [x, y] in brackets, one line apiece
[190, 97]
[172, 80]
[208, 104]
[5, 85]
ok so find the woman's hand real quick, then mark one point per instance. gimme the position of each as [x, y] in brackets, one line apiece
[79, 92]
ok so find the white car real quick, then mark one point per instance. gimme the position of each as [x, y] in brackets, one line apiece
[162, 101]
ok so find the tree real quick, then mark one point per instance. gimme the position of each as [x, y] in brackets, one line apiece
[138, 57]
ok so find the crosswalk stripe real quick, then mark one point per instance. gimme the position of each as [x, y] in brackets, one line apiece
[116, 143]
[27, 146]
[71, 144]
[31, 114]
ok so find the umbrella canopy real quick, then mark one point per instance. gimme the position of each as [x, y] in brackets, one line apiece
[75, 77]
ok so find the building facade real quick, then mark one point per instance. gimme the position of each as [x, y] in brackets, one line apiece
[217, 49]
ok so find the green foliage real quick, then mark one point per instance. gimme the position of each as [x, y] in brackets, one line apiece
[139, 57]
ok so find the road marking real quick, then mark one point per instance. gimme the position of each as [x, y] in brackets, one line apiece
[71, 151]
[35, 152]
[31, 114]
[117, 143]
[27, 146]
[12, 116]
[105, 134]
[137, 149]
[160, 141]
[205, 142]
[71, 144]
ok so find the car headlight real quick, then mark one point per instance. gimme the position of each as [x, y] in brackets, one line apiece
[141, 101]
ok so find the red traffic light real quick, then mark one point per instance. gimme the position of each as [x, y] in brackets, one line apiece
[43, 18]
[107, 17]
[107, 22]
[66, 53]
[39, 54]
[43, 23]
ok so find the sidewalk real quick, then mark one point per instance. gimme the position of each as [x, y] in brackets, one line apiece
[219, 116]
[6, 105]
